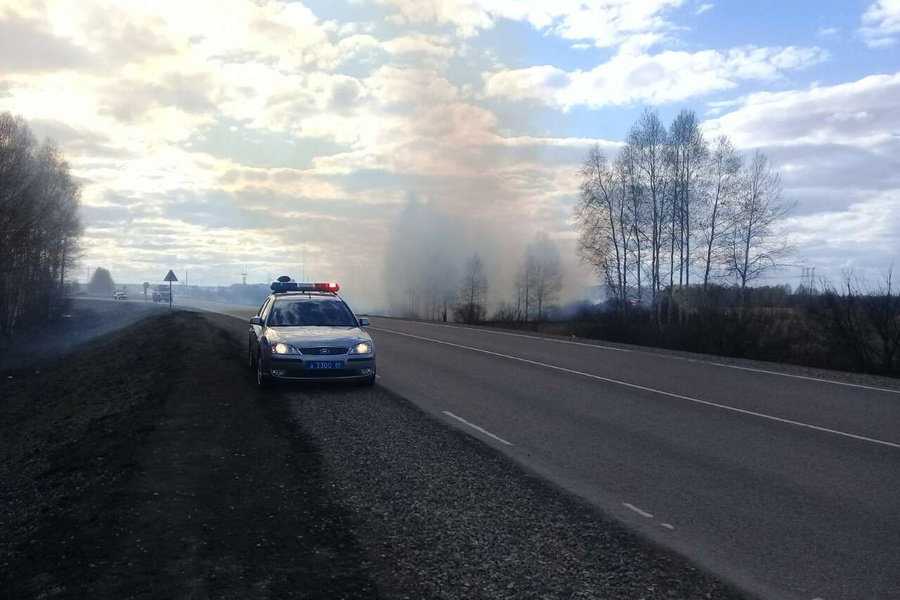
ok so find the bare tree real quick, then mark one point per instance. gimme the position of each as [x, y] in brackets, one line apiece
[39, 225]
[723, 183]
[525, 292]
[547, 273]
[688, 155]
[756, 244]
[473, 294]
[883, 313]
[864, 321]
[604, 219]
[648, 139]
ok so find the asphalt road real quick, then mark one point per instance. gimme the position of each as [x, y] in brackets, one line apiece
[784, 485]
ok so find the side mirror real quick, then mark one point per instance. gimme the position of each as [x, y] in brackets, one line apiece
[363, 321]
[255, 321]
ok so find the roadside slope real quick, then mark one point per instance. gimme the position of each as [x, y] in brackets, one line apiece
[144, 467]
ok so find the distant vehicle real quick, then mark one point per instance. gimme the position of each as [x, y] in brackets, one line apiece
[306, 332]
[121, 296]
[161, 293]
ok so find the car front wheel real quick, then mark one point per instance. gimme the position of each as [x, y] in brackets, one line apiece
[263, 380]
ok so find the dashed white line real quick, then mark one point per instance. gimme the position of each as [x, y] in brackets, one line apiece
[667, 526]
[477, 428]
[668, 357]
[643, 513]
[377, 376]
[648, 389]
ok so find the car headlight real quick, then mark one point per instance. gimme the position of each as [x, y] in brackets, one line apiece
[282, 348]
[362, 348]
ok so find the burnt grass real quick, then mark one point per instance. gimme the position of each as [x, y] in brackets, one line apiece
[147, 466]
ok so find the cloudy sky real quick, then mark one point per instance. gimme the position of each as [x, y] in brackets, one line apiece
[231, 134]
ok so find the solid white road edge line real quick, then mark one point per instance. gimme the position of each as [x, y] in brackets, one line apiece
[666, 356]
[652, 390]
[477, 428]
[643, 513]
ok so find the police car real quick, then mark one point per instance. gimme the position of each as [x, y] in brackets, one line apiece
[306, 332]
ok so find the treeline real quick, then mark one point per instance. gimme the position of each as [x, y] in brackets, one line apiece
[671, 209]
[39, 224]
[854, 326]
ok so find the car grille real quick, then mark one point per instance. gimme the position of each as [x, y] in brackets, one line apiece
[317, 351]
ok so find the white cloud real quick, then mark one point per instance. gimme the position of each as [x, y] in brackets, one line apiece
[863, 113]
[704, 8]
[440, 46]
[881, 24]
[603, 22]
[828, 32]
[838, 149]
[665, 77]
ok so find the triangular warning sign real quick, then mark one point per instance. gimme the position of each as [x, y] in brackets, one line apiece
[171, 276]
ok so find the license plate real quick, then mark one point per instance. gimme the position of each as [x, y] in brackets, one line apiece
[319, 364]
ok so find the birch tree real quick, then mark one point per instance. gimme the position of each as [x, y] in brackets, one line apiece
[756, 243]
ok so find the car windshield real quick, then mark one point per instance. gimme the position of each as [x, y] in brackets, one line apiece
[311, 313]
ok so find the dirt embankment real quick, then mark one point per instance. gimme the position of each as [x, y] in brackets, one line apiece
[146, 467]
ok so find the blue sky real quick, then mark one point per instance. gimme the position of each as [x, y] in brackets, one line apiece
[230, 139]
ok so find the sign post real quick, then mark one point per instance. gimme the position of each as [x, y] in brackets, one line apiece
[170, 277]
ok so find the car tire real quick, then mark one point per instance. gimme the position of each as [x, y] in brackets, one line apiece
[251, 360]
[367, 382]
[263, 381]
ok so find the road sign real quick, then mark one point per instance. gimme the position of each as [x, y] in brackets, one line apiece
[170, 277]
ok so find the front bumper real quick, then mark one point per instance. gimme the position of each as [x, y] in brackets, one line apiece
[294, 368]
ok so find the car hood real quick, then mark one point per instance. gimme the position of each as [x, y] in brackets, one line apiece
[318, 336]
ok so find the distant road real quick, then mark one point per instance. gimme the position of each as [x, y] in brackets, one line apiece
[787, 486]
[233, 310]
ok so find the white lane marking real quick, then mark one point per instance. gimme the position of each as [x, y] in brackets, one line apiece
[643, 513]
[377, 376]
[647, 389]
[533, 337]
[477, 428]
[667, 526]
[668, 357]
[855, 385]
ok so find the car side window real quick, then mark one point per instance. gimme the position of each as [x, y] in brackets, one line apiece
[262, 309]
[264, 313]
